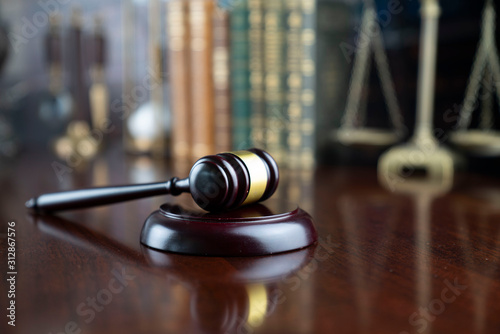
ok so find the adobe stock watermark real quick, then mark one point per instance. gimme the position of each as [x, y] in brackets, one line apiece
[421, 318]
[89, 308]
[382, 19]
[137, 95]
[31, 26]
[323, 252]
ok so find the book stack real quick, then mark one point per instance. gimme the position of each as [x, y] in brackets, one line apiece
[190, 62]
[243, 77]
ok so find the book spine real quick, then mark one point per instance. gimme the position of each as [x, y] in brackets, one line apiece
[274, 83]
[178, 66]
[222, 101]
[200, 14]
[308, 97]
[294, 81]
[256, 68]
[240, 75]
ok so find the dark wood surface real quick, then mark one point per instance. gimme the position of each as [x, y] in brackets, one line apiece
[386, 262]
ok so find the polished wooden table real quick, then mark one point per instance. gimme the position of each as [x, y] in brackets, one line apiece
[386, 262]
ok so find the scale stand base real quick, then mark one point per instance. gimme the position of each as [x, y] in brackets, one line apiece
[410, 166]
[260, 229]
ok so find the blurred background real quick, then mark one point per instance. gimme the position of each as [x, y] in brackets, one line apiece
[181, 79]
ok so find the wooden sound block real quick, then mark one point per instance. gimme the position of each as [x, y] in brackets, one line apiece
[259, 229]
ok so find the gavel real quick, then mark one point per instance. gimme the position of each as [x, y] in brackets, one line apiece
[216, 182]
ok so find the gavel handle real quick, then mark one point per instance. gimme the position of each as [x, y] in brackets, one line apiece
[84, 198]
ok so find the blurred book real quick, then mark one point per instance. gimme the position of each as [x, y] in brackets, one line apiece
[300, 83]
[179, 70]
[274, 79]
[191, 70]
[256, 71]
[240, 75]
[202, 99]
[221, 77]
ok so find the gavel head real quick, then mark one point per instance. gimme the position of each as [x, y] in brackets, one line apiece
[228, 180]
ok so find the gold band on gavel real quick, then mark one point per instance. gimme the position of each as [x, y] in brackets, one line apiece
[258, 175]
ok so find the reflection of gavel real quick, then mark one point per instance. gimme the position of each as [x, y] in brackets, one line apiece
[225, 295]
[216, 182]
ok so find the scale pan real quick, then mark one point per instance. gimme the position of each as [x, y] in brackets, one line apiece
[477, 142]
[366, 137]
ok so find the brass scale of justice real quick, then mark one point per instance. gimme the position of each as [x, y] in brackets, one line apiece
[423, 150]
